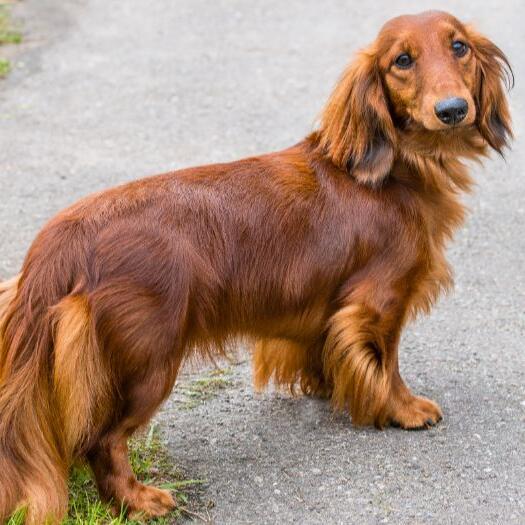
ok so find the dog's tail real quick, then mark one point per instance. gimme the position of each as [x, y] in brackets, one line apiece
[54, 387]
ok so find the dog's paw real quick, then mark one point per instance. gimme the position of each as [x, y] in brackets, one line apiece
[148, 502]
[414, 413]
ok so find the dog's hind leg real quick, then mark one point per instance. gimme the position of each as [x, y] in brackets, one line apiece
[141, 333]
[109, 456]
[291, 363]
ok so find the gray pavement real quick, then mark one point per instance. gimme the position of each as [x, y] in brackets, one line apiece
[106, 92]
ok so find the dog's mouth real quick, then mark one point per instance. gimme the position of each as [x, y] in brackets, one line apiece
[410, 124]
[415, 136]
[453, 130]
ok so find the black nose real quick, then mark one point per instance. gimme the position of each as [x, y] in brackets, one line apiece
[451, 110]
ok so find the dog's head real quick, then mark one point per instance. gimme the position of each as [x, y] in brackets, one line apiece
[425, 74]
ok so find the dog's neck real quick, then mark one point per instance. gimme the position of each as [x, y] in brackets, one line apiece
[430, 158]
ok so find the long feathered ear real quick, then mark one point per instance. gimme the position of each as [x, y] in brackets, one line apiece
[494, 74]
[357, 132]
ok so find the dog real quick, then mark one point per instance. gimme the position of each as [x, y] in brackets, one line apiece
[320, 253]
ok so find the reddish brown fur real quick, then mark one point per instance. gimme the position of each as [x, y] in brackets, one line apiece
[322, 252]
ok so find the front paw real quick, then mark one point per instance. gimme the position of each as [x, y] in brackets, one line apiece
[414, 413]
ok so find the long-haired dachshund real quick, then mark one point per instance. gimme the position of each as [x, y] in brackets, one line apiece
[321, 253]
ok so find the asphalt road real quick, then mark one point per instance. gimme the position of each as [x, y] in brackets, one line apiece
[105, 92]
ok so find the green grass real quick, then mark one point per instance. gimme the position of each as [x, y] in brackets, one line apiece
[152, 465]
[5, 67]
[17, 518]
[8, 34]
[200, 390]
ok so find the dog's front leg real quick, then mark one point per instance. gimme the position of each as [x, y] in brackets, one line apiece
[361, 361]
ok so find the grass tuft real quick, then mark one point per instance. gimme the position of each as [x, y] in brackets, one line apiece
[205, 388]
[8, 34]
[17, 518]
[152, 465]
[5, 67]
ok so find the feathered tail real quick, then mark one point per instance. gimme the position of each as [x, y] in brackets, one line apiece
[53, 390]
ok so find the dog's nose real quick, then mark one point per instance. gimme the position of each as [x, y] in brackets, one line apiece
[451, 110]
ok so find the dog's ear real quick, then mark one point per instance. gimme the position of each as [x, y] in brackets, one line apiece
[357, 132]
[494, 74]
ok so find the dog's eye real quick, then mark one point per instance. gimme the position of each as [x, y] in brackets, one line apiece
[404, 61]
[460, 48]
